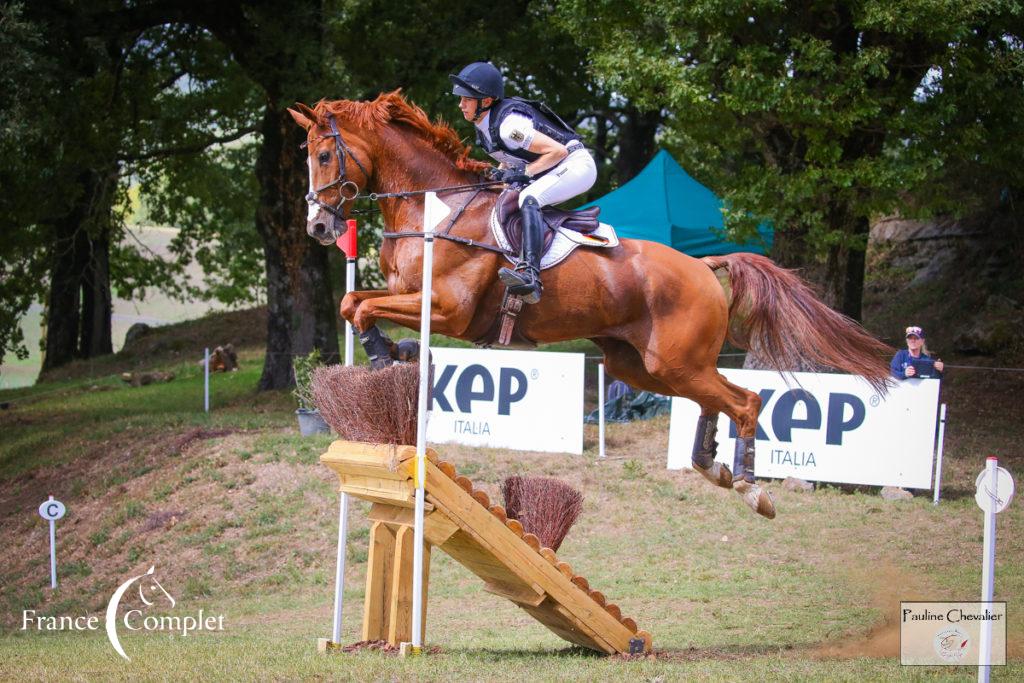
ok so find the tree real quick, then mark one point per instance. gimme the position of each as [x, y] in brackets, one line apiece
[807, 114]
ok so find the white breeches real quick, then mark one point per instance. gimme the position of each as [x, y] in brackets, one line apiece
[573, 176]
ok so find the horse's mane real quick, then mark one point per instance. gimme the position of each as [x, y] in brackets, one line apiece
[393, 107]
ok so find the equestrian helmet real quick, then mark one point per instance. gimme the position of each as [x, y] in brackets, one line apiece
[478, 80]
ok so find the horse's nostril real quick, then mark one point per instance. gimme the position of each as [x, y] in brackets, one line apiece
[319, 229]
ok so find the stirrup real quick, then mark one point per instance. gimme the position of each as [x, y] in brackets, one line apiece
[524, 282]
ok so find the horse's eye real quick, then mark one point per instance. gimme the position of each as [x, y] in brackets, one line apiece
[324, 157]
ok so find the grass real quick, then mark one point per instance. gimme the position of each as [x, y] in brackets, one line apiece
[239, 519]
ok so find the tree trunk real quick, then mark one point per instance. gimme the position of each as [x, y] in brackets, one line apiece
[844, 271]
[301, 311]
[636, 142]
[95, 333]
[62, 305]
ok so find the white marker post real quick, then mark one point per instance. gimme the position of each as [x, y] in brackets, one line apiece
[52, 510]
[434, 211]
[938, 457]
[206, 380]
[600, 410]
[348, 244]
[994, 493]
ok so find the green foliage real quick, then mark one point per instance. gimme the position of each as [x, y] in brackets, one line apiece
[303, 367]
[817, 117]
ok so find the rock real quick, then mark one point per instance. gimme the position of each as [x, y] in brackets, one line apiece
[134, 332]
[895, 493]
[797, 485]
[998, 326]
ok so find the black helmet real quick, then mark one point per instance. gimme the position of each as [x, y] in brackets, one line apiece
[479, 80]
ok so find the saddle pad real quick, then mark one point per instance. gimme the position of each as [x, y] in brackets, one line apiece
[564, 242]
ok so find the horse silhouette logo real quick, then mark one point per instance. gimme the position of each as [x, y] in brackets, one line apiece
[150, 591]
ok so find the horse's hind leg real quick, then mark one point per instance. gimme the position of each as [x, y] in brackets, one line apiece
[747, 405]
[625, 363]
[705, 448]
[716, 394]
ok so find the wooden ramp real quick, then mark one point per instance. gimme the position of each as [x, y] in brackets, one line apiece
[462, 522]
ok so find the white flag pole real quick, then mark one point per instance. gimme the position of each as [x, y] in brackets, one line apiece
[938, 458]
[349, 247]
[600, 410]
[988, 570]
[434, 211]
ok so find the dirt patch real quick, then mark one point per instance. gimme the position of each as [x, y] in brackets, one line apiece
[889, 585]
[180, 443]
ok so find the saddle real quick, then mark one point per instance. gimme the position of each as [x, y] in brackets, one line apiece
[565, 231]
[509, 218]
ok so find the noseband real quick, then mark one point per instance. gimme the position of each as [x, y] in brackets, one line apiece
[347, 189]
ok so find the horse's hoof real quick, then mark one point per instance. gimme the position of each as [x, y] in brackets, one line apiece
[407, 351]
[718, 474]
[759, 499]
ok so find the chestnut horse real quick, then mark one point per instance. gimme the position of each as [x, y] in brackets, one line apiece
[659, 316]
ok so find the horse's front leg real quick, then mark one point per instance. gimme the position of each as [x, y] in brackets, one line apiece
[351, 301]
[403, 309]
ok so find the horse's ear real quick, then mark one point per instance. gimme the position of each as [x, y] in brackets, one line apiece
[303, 115]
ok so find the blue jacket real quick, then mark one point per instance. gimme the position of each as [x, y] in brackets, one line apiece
[902, 359]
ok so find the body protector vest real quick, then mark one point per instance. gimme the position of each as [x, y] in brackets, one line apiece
[544, 120]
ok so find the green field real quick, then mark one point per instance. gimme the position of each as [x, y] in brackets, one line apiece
[240, 519]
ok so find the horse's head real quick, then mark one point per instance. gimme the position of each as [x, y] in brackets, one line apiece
[334, 170]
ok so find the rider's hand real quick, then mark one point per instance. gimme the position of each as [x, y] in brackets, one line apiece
[493, 173]
[910, 371]
[939, 365]
[512, 176]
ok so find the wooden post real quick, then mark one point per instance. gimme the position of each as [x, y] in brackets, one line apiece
[387, 611]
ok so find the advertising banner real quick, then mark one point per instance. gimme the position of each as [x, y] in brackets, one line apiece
[526, 400]
[826, 427]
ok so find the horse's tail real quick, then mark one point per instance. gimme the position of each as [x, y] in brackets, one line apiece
[777, 315]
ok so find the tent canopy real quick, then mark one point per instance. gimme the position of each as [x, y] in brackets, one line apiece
[664, 204]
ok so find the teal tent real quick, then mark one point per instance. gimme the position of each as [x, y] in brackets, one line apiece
[664, 204]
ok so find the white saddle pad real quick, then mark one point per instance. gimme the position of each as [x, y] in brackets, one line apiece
[565, 242]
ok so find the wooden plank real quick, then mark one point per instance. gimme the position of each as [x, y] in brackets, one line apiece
[378, 586]
[498, 539]
[514, 593]
[400, 621]
[374, 497]
[437, 528]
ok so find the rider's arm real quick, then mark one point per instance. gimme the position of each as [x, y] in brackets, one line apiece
[517, 132]
[551, 153]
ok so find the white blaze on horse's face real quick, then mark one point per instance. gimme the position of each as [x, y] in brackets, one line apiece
[313, 208]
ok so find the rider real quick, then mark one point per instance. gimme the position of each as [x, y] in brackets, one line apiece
[535, 148]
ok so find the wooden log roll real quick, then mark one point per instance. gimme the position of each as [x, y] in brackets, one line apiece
[515, 526]
[532, 541]
[566, 569]
[613, 610]
[628, 623]
[482, 498]
[582, 582]
[499, 512]
[598, 597]
[465, 484]
[447, 468]
[549, 555]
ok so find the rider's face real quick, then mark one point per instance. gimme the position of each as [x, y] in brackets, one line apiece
[468, 107]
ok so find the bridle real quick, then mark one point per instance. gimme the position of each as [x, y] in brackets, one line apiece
[347, 189]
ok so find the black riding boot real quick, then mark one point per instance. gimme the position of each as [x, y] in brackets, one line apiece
[525, 281]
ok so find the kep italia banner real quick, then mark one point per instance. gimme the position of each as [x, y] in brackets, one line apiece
[507, 399]
[826, 427]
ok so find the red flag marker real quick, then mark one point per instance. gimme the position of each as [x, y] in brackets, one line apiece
[348, 242]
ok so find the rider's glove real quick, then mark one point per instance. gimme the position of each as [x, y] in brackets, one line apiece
[512, 176]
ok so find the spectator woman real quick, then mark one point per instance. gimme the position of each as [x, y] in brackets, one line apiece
[915, 361]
